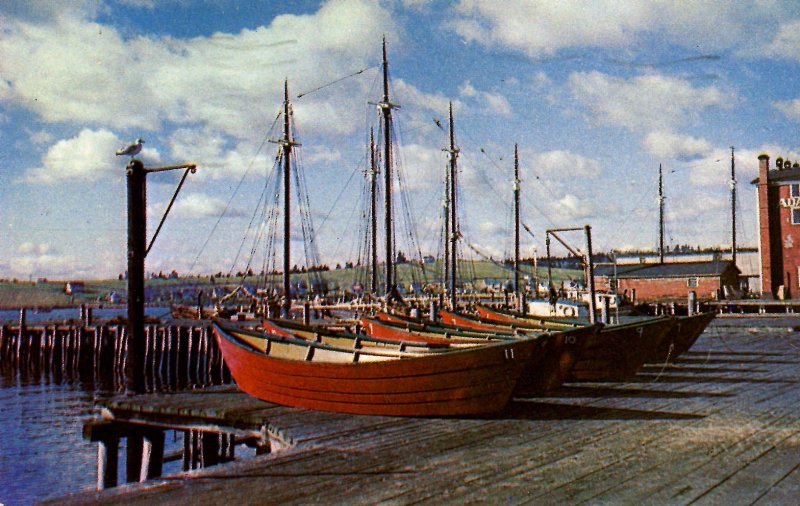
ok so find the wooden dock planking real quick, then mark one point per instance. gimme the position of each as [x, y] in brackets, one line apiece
[719, 426]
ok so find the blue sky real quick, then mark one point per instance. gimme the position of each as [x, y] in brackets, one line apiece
[596, 94]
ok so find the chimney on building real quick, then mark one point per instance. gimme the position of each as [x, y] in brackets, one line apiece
[763, 168]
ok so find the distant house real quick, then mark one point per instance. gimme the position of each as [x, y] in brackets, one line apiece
[73, 287]
[670, 281]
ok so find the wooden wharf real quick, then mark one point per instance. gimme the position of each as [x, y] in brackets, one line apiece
[721, 425]
[178, 355]
[733, 308]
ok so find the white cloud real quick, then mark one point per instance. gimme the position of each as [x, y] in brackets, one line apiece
[646, 102]
[542, 28]
[85, 157]
[215, 157]
[409, 95]
[488, 101]
[570, 208]
[423, 166]
[89, 156]
[52, 266]
[561, 163]
[72, 69]
[786, 43]
[199, 205]
[324, 155]
[41, 137]
[791, 108]
[30, 247]
[666, 144]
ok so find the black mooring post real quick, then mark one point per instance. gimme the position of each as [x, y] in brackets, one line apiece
[137, 244]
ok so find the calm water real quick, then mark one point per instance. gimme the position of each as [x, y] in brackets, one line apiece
[59, 314]
[42, 453]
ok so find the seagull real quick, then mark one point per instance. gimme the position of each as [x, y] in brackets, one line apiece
[132, 150]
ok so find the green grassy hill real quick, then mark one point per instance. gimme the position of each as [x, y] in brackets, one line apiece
[16, 294]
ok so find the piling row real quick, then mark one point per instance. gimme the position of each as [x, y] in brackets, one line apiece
[176, 357]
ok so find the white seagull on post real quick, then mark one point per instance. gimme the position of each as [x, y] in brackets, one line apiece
[132, 150]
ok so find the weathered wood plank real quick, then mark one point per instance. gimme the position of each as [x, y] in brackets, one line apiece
[720, 425]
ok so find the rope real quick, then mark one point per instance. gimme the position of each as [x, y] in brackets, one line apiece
[337, 81]
[233, 195]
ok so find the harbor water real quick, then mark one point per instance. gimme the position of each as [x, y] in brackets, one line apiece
[42, 451]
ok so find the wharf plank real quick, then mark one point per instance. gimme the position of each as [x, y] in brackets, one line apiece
[720, 425]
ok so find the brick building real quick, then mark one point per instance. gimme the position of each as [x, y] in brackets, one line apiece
[669, 281]
[779, 227]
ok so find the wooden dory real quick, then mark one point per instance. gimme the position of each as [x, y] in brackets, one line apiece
[301, 373]
[682, 336]
[556, 362]
[615, 354]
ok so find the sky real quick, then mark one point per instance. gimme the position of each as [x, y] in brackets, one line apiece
[595, 94]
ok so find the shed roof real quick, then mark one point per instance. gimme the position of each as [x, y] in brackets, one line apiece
[666, 270]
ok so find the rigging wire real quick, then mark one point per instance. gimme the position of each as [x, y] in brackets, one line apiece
[233, 195]
[331, 83]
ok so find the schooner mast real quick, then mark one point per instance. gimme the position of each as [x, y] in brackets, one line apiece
[733, 208]
[660, 215]
[373, 285]
[286, 143]
[452, 208]
[516, 222]
[386, 109]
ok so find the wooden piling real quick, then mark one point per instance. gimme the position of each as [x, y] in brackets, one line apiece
[133, 457]
[107, 463]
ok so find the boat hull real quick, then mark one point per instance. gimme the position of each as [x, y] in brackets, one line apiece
[620, 350]
[465, 382]
[553, 364]
[682, 337]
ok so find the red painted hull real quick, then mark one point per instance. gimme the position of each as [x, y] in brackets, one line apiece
[464, 382]
[485, 313]
[557, 352]
[374, 328]
[465, 322]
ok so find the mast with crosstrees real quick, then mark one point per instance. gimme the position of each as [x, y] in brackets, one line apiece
[453, 215]
[286, 144]
[386, 109]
